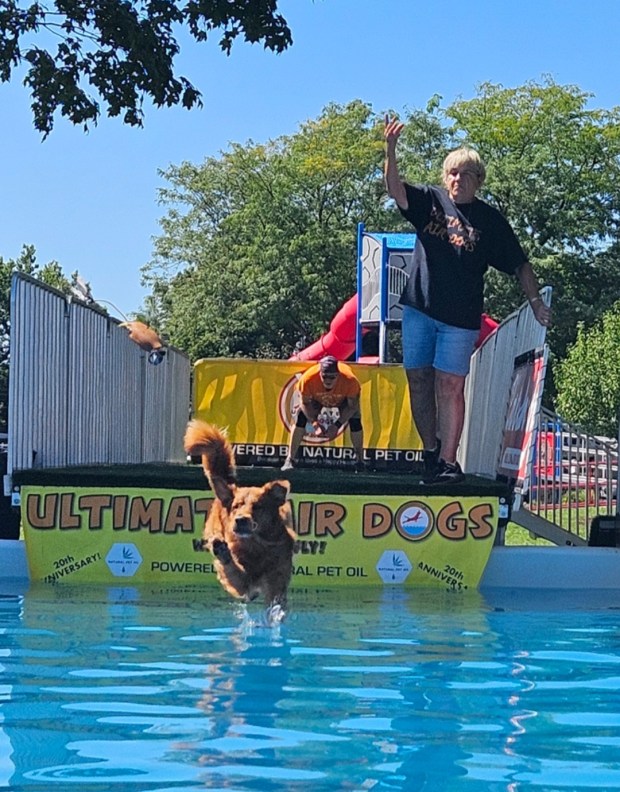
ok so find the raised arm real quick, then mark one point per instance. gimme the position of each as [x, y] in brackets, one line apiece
[393, 183]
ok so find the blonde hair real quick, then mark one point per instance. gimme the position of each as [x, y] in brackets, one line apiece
[465, 156]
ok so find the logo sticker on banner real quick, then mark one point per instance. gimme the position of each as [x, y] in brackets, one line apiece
[123, 560]
[394, 566]
[415, 522]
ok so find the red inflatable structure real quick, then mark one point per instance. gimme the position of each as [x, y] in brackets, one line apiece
[339, 340]
[487, 326]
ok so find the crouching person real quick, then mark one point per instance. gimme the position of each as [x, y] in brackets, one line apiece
[328, 384]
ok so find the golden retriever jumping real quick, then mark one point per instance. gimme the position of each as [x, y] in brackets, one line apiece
[248, 529]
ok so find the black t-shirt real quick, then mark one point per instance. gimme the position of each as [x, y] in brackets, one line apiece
[455, 245]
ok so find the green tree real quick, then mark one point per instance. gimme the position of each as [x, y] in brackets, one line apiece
[588, 379]
[425, 141]
[121, 51]
[278, 220]
[553, 162]
[259, 246]
[554, 172]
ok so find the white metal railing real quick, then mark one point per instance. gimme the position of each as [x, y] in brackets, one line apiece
[80, 392]
[574, 475]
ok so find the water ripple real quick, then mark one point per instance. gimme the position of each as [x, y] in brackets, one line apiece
[387, 690]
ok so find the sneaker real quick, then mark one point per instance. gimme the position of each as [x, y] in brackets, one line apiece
[288, 464]
[361, 467]
[447, 473]
[430, 461]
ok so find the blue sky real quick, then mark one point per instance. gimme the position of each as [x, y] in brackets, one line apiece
[89, 201]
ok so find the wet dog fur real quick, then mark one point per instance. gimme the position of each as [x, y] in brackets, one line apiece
[248, 529]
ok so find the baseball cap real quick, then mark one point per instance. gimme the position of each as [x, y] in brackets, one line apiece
[328, 364]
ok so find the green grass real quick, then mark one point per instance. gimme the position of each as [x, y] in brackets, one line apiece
[516, 536]
[576, 519]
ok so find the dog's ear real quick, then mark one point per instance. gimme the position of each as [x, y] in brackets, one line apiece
[224, 491]
[279, 491]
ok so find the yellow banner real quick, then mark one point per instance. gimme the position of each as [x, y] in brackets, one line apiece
[99, 535]
[256, 399]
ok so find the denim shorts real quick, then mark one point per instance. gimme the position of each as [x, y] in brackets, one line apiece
[427, 342]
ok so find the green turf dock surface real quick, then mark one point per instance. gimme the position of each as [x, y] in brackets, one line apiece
[307, 480]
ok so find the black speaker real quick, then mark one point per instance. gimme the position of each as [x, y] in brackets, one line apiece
[605, 532]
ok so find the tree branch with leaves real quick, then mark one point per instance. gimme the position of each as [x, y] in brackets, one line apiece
[85, 54]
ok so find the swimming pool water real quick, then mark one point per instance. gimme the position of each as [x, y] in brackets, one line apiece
[162, 690]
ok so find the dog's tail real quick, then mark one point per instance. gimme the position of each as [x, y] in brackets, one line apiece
[210, 443]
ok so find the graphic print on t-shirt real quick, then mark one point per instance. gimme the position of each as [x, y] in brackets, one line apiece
[452, 228]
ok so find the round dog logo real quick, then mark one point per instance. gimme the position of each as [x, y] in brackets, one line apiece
[414, 521]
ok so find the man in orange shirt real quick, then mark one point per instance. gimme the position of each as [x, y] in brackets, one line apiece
[333, 385]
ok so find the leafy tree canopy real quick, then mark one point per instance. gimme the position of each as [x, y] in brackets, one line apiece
[588, 378]
[553, 162]
[121, 51]
[258, 245]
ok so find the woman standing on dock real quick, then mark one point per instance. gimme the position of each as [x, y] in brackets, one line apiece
[458, 236]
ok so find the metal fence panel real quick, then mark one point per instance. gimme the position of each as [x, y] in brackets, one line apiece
[574, 475]
[37, 374]
[80, 392]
